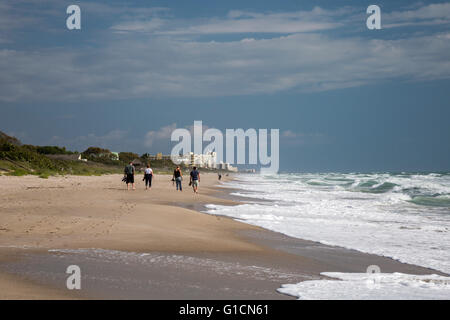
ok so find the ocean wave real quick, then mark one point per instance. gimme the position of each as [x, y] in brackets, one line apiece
[437, 201]
[405, 216]
[364, 286]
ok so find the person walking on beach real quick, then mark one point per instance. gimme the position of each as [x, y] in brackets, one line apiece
[129, 175]
[148, 176]
[178, 176]
[195, 179]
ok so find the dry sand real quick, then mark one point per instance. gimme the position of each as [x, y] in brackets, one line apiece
[97, 212]
[74, 212]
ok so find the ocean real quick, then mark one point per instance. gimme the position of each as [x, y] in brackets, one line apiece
[405, 216]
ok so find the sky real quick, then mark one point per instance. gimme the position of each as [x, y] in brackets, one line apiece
[345, 98]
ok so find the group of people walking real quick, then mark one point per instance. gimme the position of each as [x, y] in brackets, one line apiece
[193, 181]
[177, 177]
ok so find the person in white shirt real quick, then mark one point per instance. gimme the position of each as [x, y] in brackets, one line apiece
[148, 175]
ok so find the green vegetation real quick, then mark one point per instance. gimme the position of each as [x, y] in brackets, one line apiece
[44, 161]
[6, 138]
[127, 157]
[18, 160]
[100, 155]
[48, 149]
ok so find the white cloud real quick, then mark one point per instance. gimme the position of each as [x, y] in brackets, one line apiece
[431, 11]
[139, 65]
[243, 22]
[163, 133]
[290, 134]
[165, 67]
[432, 14]
[148, 25]
[255, 25]
[116, 140]
[301, 138]
[113, 140]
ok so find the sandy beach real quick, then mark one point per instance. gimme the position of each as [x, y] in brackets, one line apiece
[149, 244]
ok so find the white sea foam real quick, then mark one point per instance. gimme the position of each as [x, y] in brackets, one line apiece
[403, 216]
[169, 260]
[363, 286]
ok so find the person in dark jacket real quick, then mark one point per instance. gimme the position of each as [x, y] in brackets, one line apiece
[195, 179]
[129, 175]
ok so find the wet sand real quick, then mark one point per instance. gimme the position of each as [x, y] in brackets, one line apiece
[149, 244]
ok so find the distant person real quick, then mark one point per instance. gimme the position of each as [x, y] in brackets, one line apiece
[220, 176]
[195, 179]
[148, 176]
[178, 177]
[129, 175]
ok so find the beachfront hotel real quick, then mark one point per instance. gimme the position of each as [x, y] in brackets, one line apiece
[207, 160]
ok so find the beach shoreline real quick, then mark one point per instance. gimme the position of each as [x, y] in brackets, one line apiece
[160, 236]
